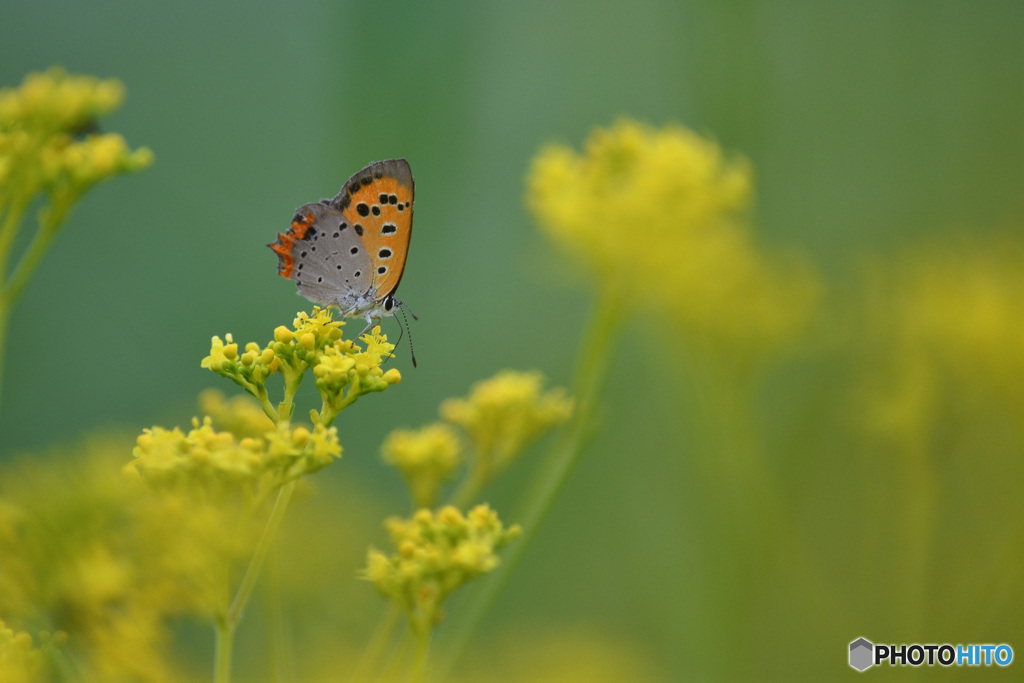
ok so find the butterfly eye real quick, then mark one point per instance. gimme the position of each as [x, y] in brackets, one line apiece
[389, 303]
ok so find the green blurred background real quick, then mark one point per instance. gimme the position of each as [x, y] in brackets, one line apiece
[871, 125]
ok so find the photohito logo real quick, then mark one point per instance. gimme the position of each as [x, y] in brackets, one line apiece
[865, 654]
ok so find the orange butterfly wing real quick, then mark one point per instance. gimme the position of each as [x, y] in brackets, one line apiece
[377, 201]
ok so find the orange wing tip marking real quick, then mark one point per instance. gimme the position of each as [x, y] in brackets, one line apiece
[283, 248]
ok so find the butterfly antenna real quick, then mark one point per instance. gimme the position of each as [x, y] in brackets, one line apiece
[412, 351]
[402, 305]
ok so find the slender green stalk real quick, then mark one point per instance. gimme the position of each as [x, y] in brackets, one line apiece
[382, 635]
[34, 253]
[421, 650]
[474, 482]
[588, 388]
[227, 625]
[8, 231]
[225, 644]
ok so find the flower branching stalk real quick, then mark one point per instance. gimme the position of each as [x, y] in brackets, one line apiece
[50, 148]
[659, 217]
[438, 552]
[435, 554]
[263, 453]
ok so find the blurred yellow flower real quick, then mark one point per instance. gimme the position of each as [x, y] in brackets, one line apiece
[661, 216]
[505, 413]
[106, 562]
[436, 553]
[40, 145]
[239, 415]
[20, 660]
[299, 451]
[204, 457]
[426, 457]
[948, 321]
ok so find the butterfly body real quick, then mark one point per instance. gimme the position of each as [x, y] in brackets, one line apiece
[350, 251]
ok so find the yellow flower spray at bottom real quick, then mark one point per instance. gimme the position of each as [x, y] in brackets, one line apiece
[436, 553]
[20, 660]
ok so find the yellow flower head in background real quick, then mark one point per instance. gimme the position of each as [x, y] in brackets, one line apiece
[425, 457]
[436, 553]
[100, 558]
[20, 660]
[660, 215]
[505, 413]
[239, 415]
[48, 139]
[948, 322]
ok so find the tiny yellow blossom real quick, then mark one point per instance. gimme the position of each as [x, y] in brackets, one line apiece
[320, 325]
[661, 216]
[342, 370]
[20, 660]
[299, 451]
[39, 148]
[239, 415]
[437, 553]
[425, 458]
[504, 414]
[170, 458]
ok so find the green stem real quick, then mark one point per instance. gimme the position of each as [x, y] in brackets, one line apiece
[421, 650]
[382, 635]
[588, 388]
[225, 644]
[8, 231]
[12, 287]
[227, 625]
[29, 261]
[473, 483]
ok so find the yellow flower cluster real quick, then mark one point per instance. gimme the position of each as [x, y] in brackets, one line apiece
[505, 413]
[98, 557]
[239, 415]
[500, 418]
[661, 216]
[426, 457]
[436, 553]
[20, 660]
[205, 459]
[949, 321]
[343, 370]
[48, 139]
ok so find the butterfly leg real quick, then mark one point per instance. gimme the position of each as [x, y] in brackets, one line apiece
[370, 323]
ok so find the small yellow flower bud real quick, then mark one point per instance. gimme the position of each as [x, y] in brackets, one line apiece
[449, 515]
[423, 517]
[248, 358]
[300, 436]
[283, 334]
[267, 356]
[308, 341]
[392, 376]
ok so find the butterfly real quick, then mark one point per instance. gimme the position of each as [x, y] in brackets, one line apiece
[350, 251]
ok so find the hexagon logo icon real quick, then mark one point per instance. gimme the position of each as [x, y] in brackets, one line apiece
[861, 654]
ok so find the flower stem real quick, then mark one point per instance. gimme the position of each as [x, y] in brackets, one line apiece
[12, 287]
[421, 649]
[382, 634]
[225, 644]
[588, 387]
[227, 625]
